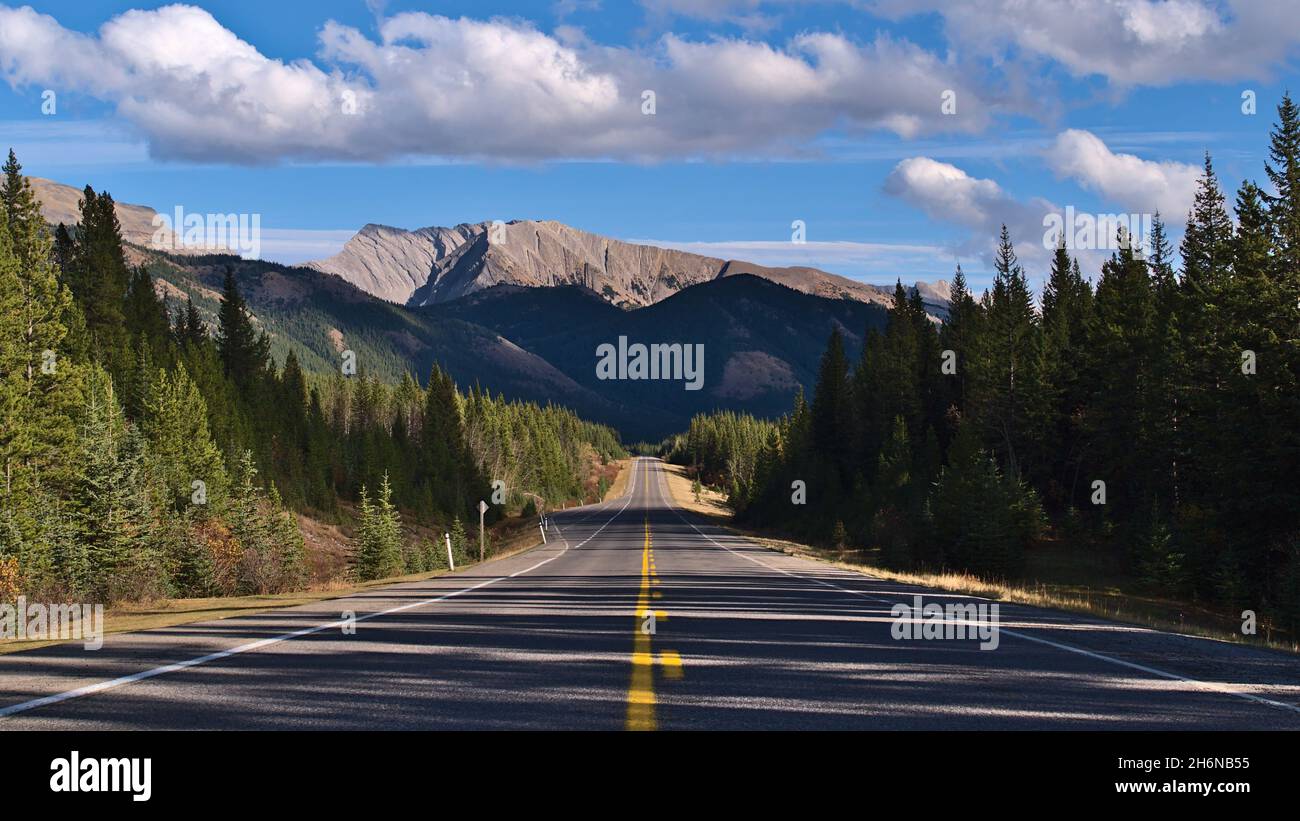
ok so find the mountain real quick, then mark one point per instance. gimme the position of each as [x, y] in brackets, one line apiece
[61, 204]
[435, 265]
[392, 263]
[761, 338]
[761, 341]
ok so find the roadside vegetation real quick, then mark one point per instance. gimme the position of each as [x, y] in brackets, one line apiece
[1128, 447]
[145, 455]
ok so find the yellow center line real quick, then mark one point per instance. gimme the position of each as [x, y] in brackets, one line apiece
[672, 662]
[641, 690]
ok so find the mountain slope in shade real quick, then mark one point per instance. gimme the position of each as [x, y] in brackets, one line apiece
[319, 316]
[436, 265]
[762, 341]
[489, 323]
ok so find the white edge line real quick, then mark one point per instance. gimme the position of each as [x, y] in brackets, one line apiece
[1205, 685]
[100, 687]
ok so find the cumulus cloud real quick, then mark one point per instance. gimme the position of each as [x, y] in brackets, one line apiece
[1129, 42]
[496, 89]
[948, 194]
[1132, 182]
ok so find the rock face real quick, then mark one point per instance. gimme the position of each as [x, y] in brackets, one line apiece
[435, 265]
[62, 204]
[393, 264]
[59, 204]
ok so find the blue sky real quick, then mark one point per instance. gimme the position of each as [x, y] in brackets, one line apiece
[767, 112]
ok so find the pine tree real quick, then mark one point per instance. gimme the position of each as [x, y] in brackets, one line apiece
[243, 351]
[99, 280]
[958, 335]
[1207, 357]
[175, 424]
[460, 546]
[190, 329]
[1166, 365]
[1066, 318]
[379, 538]
[112, 498]
[1008, 365]
[39, 381]
[146, 314]
[830, 407]
[982, 521]
[1123, 408]
[27, 229]
[1283, 171]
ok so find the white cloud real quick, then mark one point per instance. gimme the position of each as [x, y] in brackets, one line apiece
[497, 89]
[1136, 184]
[1129, 42]
[293, 246]
[946, 193]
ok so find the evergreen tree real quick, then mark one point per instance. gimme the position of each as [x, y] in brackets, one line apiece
[830, 407]
[1008, 367]
[112, 500]
[1066, 318]
[39, 381]
[1121, 346]
[175, 424]
[27, 229]
[99, 280]
[243, 351]
[379, 539]
[1283, 169]
[958, 335]
[190, 329]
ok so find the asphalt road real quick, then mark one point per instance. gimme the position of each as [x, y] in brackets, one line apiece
[563, 637]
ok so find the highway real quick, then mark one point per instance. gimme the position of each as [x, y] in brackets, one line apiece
[639, 615]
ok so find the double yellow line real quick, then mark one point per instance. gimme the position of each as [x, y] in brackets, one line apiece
[641, 689]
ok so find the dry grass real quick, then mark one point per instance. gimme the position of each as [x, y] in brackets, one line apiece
[712, 503]
[507, 538]
[1106, 602]
[619, 486]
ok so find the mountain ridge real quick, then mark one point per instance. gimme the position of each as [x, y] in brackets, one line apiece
[762, 338]
[430, 265]
[435, 264]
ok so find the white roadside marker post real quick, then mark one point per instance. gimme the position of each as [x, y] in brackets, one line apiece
[482, 508]
[542, 527]
[450, 561]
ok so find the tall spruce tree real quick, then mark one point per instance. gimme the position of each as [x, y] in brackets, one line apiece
[1008, 365]
[244, 352]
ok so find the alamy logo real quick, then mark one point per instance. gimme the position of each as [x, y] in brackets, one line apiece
[1096, 232]
[237, 233]
[77, 774]
[47, 622]
[655, 361]
[953, 621]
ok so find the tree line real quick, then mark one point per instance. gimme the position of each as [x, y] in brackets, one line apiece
[1151, 415]
[143, 454]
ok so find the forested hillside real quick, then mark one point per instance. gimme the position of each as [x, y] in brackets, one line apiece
[761, 341]
[1151, 417]
[146, 454]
